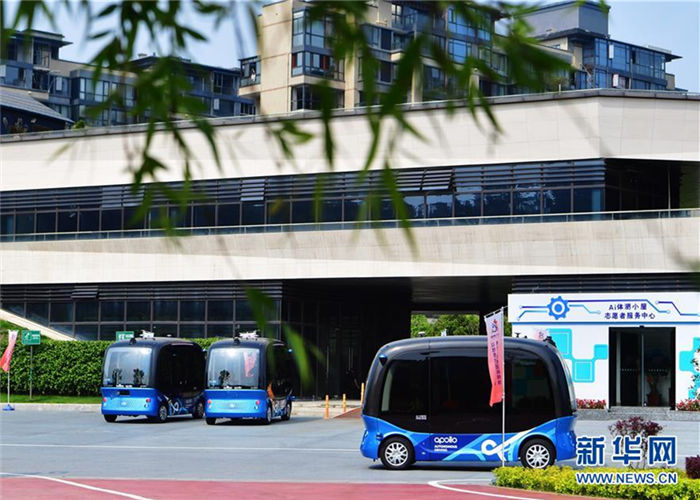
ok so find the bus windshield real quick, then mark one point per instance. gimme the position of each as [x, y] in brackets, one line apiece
[127, 367]
[234, 368]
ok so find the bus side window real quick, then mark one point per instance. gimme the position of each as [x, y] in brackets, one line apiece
[404, 400]
[531, 389]
[461, 389]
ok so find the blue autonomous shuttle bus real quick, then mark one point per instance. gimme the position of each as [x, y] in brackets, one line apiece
[155, 377]
[249, 377]
[428, 400]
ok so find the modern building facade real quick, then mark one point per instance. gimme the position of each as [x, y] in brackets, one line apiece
[585, 196]
[33, 64]
[295, 54]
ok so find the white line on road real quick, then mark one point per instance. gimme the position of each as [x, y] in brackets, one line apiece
[78, 485]
[187, 448]
[436, 484]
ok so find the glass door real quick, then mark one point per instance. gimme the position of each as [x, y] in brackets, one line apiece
[642, 366]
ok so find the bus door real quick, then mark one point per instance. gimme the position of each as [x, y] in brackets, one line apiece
[462, 424]
[279, 376]
[404, 400]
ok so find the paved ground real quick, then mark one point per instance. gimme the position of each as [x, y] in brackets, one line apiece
[318, 457]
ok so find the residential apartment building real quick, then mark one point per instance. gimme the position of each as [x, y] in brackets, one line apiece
[295, 54]
[33, 64]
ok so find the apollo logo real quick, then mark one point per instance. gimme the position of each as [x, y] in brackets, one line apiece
[445, 440]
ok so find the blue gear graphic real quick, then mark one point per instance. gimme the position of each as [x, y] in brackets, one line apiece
[558, 307]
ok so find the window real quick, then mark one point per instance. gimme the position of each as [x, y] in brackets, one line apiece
[89, 220]
[113, 310]
[253, 213]
[588, 200]
[461, 389]
[308, 97]
[67, 222]
[192, 310]
[86, 311]
[457, 50]
[220, 310]
[112, 220]
[415, 207]
[165, 310]
[404, 400]
[468, 205]
[228, 214]
[138, 311]
[203, 215]
[556, 201]
[496, 203]
[315, 33]
[439, 205]
[24, 223]
[38, 311]
[61, 312]
[526, 202]
[457, 24]
[132, 220]
[7, 224]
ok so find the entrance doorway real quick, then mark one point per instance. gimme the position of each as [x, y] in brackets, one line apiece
[642, 366]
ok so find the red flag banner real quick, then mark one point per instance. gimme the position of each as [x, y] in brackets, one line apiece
[7, 355]
[494, 345]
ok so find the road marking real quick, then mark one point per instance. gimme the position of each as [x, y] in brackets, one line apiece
[187, 448]
[79, 485]
[436, 484]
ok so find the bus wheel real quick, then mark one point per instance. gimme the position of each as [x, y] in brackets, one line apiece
[537, 454]
[268, 416]
[162, 414]
[396, 453]
[211, 420]
[198, 411]
[287, 411]
[110, 418]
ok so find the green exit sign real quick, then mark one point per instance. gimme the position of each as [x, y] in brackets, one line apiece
[125, 335]
[31, 337]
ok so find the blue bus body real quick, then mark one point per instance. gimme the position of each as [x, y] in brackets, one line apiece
[248, 379]
[155, 377]
[429, 397]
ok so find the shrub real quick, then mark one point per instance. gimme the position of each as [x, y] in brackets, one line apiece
[689, 405]
[636, 426]
[692, 467]
[590, 404]
[563, 480]
[62, 368]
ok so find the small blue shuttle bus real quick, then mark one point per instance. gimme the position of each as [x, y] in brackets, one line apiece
[155, 377]
[428, 400]
[249, 377]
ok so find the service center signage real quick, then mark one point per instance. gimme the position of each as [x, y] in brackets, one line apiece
[623, 308]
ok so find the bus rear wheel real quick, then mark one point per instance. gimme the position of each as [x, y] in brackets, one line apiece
[396, 453]
[287, 411]
[268, 416]
[162, 415]
[211, 420]
[537, 454]
[110, 418]
[198, 411]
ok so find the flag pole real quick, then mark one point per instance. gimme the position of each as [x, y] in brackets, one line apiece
[8, 406]
[503, 399]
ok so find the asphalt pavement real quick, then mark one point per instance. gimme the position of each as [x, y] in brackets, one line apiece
[55, 444]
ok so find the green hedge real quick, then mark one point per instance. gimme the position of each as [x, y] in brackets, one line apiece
[563, 480]
[61, 368]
